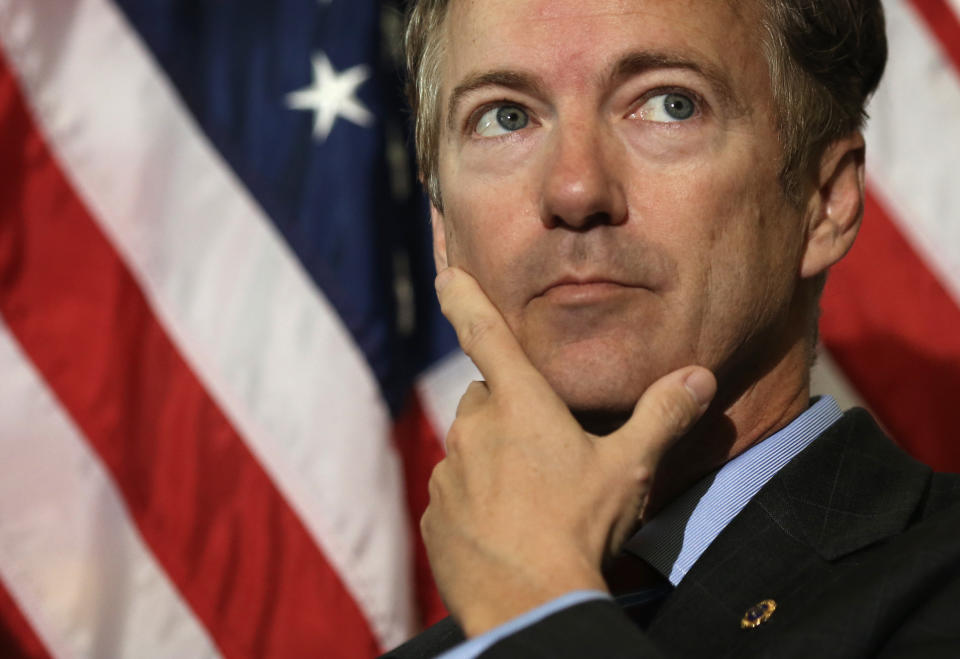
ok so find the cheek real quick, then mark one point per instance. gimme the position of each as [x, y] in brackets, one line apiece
[693, 208]
[733, 205]
[481, 235]
[490, 205]
[753, 257]
[723, 222]
[488, 232]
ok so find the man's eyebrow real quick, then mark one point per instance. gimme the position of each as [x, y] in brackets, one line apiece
[642, 61]
[516, 80]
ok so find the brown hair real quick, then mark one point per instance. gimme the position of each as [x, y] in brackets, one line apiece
[423, 48]
[825, 59]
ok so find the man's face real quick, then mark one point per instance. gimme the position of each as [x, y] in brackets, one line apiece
[608, 170]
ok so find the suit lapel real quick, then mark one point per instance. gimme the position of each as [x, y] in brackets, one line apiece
[850, 489]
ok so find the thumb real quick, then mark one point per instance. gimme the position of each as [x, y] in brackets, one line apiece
[667, 409]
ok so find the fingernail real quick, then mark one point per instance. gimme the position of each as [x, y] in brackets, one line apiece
[702, 386]
[443, 278]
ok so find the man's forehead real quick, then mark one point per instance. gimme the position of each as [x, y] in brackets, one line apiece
[553, 9]
[496, 41]
[496, 28]
[504, 12]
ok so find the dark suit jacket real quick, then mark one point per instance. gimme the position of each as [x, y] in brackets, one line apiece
[858, 544]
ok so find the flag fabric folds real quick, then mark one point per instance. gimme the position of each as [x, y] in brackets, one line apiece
[224, 377]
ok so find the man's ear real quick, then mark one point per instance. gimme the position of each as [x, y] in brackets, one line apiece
[437, 223]
[835, 209]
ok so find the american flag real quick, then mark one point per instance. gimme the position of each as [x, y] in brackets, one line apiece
[222, 373]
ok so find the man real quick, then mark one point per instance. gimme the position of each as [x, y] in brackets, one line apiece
[635, 204]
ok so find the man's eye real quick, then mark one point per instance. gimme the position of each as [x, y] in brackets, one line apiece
[501, 120]
[666, 108]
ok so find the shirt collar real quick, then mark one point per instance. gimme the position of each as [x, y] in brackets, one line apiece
[674, 540]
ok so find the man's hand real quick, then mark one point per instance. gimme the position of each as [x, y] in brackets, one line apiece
[526, 504]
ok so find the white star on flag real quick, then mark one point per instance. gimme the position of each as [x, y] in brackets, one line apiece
[332, 95]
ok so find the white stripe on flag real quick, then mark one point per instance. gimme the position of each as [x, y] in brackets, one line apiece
[912, 134]
[245, 316]
[827, 378]
[955, 6]
[69, 552]
[441, 387]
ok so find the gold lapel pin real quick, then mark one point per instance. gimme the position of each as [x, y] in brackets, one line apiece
[758, 614]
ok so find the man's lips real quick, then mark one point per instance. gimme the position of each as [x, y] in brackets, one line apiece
[581, 291]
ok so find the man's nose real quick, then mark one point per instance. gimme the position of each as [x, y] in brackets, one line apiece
[582, 182]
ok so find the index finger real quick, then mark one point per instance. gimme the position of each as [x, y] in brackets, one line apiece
[482, 332]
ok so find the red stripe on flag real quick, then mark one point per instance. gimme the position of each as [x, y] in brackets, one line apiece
[895, 332]
[944, 24]
[417, 443]
[220, 529]
[17, 638]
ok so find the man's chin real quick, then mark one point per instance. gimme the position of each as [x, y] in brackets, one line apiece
[601, 405]
[600, 381]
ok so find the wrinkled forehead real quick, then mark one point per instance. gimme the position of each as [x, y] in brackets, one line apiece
[476, 12]
[580, 41]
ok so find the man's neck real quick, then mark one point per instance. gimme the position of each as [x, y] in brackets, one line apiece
[737, 421]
